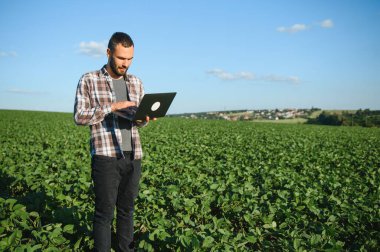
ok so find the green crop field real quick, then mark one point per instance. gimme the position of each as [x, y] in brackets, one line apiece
[206, 186]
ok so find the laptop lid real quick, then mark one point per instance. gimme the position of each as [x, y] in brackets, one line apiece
[153, 105]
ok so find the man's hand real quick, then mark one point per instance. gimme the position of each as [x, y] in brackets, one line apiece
[121, 105]
[147, 119]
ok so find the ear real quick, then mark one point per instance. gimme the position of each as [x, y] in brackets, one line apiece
[108, 52]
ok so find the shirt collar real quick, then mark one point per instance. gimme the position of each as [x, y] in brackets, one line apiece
[104, 71]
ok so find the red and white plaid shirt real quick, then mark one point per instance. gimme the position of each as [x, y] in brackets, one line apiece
[94, 96]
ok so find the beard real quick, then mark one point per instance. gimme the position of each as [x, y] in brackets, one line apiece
[115, 69]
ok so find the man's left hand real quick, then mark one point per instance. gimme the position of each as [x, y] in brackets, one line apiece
[147, 119]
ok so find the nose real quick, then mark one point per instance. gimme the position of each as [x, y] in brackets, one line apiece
[126, 62]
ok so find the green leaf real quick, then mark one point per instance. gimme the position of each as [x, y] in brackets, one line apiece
[251, 239]
[283, 225]
[36, 247]
[185, 240]
[296, 243]
[10, 202]
[12, 239]
[214, 186]
[141, 244]
[274, 224]
[68, 229]
[77, 243]
[19, 206]
[34, 214]
[195, 242]
[207, 242]
[59, 240]
[3, 245]
[151, 236]
[146, 192]
[315, 239]
[56, 233]
[267, 226]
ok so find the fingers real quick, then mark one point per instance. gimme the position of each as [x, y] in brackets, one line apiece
[122, 105]
[147, 119]
[129, 104]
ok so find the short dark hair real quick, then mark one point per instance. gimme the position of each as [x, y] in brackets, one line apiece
[120, 38]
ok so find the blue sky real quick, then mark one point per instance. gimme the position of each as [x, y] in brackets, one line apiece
[217, 55]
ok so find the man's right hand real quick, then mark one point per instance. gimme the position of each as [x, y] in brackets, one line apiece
[121, 105]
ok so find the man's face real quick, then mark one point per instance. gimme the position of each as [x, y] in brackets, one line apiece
[120, 59]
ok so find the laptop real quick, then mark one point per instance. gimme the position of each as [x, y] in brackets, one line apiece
[153, 105]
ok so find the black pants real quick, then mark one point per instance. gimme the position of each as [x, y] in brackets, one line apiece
[116, 183]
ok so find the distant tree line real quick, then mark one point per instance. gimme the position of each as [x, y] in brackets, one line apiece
[365, 118]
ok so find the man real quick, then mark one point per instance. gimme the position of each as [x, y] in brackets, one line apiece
[115, 143]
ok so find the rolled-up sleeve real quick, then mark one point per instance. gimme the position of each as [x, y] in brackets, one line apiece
[84, 112]
[141, 92]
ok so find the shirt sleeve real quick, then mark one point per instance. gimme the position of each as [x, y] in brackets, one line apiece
[84, 114]
[141, 91]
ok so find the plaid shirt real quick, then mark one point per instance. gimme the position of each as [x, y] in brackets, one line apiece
[94, 96]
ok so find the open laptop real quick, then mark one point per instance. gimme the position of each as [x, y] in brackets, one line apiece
[153, 105]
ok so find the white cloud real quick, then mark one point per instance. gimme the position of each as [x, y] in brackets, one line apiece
[327, 23]
[93, 48]
[277, 78]
[221, 74]
[8, 54]
[224, 75]
[24, 91]
[293, 29]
